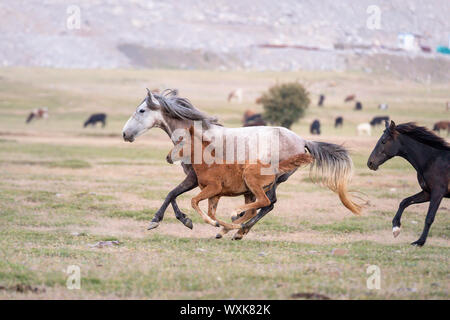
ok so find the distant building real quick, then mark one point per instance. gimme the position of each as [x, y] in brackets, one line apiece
[408, 41]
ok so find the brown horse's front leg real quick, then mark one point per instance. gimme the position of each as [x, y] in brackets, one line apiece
[209, 191]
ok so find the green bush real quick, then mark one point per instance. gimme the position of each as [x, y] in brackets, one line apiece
[284, 104]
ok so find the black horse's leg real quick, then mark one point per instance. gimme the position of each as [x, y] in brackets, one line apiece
[417, 198]
[435, 201]
[189, 183]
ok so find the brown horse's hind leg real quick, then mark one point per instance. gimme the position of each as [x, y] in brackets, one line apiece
[272, 195]
[249, 198]
[208, 192]
[255, 183]
[212, 206]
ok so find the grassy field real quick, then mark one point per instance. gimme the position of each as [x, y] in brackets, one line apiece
[64, 188]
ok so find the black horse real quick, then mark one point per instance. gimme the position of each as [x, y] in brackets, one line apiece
[338, 122]
[379, 120]
[321, 100]
[315, 127]
[96, 117]
[358, 105]
[429, 154]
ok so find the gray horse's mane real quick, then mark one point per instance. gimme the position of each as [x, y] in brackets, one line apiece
[182, 109]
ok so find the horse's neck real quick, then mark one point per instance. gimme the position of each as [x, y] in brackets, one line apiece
[416, 153]
[169, 125]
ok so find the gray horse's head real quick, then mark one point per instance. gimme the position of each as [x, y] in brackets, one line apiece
[163, 111]
[147, 115]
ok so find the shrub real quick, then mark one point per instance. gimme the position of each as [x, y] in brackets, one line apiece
[284, 104]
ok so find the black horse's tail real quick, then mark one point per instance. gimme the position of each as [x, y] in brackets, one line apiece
[333, 167]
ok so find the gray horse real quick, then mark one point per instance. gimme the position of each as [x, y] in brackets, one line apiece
[332, 165]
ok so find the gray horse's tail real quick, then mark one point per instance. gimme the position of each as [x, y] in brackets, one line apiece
[333, 168]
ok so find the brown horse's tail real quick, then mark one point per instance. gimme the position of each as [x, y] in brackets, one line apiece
[295, 161]
[333, 168]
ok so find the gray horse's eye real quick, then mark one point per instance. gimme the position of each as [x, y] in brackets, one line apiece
[142, 110]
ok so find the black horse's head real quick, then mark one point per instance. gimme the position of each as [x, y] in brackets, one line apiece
[387, 147]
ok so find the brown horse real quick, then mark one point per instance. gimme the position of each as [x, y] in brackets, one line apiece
[222, 179]
[442, 125]
[350, 97]
[38, 113]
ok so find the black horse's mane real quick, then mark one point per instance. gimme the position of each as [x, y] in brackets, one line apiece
[423, 135]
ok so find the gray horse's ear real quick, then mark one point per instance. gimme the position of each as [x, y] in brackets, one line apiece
[152, 98]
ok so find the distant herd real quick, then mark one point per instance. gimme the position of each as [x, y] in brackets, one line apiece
[252, 118]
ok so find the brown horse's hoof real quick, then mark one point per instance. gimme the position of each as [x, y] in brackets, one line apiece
[188, 223]
[152, 225]
[218, 236]
[237, 237]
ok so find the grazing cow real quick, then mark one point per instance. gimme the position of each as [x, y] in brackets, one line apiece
[38, 113]
[364, 128]
[315, 127]
[379, 120]
[349, 98]
[383, 106]
[255, 120]
[251, 119]
[338, 122]
[235, 94]
[442, 125]
[96, 117]
[358, 105]
[321, 100]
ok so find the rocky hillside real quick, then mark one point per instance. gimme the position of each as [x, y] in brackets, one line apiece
[221, 34]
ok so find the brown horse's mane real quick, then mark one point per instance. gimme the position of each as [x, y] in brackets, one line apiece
[422, 135]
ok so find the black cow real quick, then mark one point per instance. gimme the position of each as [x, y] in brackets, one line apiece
[379, 120]
[358, 105]
[321, 100]
[254, 120]
[338, 122]
[96, 117]
[315, 127]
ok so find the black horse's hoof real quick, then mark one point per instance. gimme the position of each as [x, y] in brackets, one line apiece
[218, 236]
[153, 225]
[188, 223]
[418, 243]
